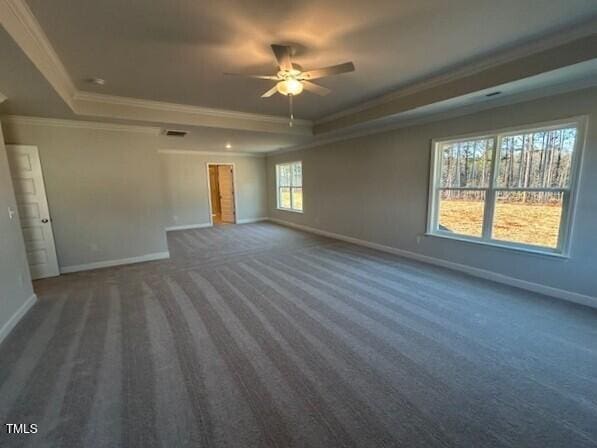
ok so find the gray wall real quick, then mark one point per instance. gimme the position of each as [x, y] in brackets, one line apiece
[15, 280]
[104, 191]
[186, 193]
[111, 193]
[375, 188]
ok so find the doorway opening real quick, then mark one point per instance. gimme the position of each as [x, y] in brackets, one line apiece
[222, 193]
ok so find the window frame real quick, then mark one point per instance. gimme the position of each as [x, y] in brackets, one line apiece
[291, 187]
[569, 197]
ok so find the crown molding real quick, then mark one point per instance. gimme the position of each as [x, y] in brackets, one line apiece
[190, 152]
[400, 122]
[183, 108]
[62, 123]
[95, 104]
[564, 48]
[21, 24]
[19, 21]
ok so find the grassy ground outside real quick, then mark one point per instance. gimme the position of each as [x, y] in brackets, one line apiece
[536, 224]
[285, 198]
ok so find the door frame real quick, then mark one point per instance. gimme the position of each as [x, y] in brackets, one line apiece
[207, 165]
[42, 186]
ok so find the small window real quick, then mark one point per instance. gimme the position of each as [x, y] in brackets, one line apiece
[511, 188]
[290, 186]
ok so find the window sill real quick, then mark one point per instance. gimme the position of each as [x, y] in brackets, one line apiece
[503, 246]
[289, 210]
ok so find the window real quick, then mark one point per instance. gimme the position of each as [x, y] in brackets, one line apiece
[290, 186]
[511, 188]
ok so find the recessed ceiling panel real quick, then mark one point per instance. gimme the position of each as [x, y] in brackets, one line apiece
[177, 50]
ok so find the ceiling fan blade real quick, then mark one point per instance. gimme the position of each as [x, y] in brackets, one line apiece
[272, 77]
[328, 71]
[270, 92]
[282, 53]
[314, 88]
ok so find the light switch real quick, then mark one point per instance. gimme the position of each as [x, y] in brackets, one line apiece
[11, 212]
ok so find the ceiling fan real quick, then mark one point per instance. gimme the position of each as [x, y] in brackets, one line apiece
[291, 80]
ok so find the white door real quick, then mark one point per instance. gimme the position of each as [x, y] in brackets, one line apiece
[226, 184]
[27, 178]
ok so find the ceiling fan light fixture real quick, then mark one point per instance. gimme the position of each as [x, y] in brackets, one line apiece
[290, 86]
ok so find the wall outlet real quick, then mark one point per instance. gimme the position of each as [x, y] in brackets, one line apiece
[418, 239]
[93, 247]
[175, 218]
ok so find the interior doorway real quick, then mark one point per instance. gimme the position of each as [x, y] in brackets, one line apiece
[222, 193]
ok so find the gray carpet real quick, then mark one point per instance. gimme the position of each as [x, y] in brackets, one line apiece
[262, 336]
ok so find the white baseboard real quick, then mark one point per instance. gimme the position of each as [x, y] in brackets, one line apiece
[16, 317]
[250, 220]
[207, 224]
[562, 294]
[110, 263]
[187, 227]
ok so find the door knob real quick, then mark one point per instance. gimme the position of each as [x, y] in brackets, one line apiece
[45, 220]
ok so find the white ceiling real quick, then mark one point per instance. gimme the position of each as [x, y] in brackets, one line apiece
[573, 77]
[176, 50]
[27, 90]
[30, 94]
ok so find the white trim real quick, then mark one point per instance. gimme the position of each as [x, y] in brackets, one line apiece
[185, 108]
[277, 166]
[80, 124]
[525, 249]
[18, 20]
[191, 152]
[110, 263]
[569, 206]
[24, 28]
[188, 227]
[207, 165]
[557, 293]
[207, 224]
[509, 56]
[110, 106]
[40, 198]
[405, 119]
[16, 317]
[532, 126]
[291, 210]
[251, 220]
[2, 98]
[21, 24]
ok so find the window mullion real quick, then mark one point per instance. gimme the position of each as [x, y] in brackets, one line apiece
[532, 172]
[490, 192]
[436, 201]
[437, 167]
[291, 184]
[291, 198]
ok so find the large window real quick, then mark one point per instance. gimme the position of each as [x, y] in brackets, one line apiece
[513, 188]
[289, 179]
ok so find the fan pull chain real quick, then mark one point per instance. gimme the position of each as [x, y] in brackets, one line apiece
[291, 112]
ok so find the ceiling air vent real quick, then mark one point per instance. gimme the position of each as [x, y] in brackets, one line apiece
[175, 133]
